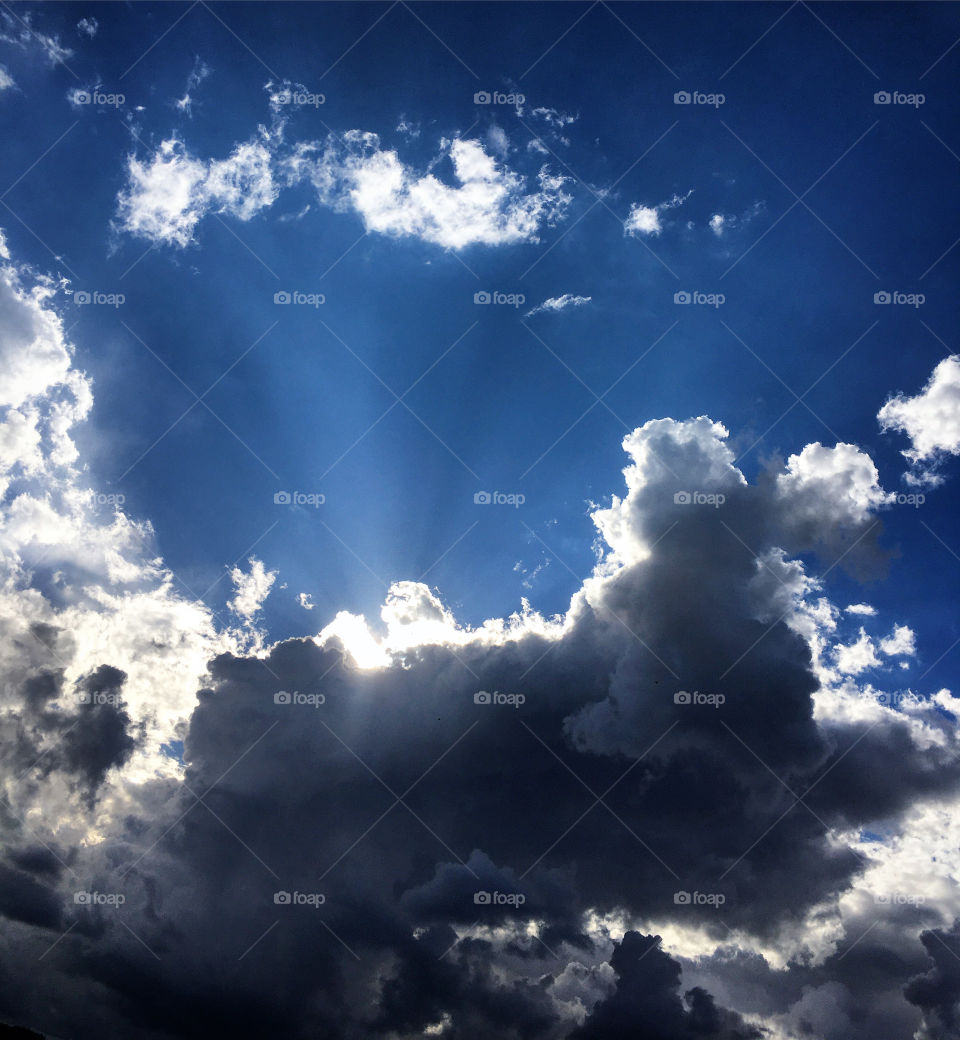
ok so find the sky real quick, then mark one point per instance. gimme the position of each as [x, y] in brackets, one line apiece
[478, 552]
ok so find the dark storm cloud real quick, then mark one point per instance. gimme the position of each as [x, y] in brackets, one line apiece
[937, 991]
[647, 1004]
[319, 867]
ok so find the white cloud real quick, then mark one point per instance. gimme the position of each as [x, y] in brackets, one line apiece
[862, 608]
[645, 220]
[559, 303]
[88, 27]
[900, 643]
[197, 75]
[6, 80]
[489, 205]
[305, 600]
[556, 119]
[167, 195]
[717, 223]
[84, 572]
[839, 484]
[931, 420]
[857, 657]
[251, 589]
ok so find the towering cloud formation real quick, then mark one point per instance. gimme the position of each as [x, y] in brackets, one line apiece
[482, 832]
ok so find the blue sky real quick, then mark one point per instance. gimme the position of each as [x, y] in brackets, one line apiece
[393, 257]
[798, 298]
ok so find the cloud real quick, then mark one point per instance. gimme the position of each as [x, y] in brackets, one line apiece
[6, 80]
[558, 120]
[721, 223]
[645, 220]
[88, 27]
[250, 589]
[197, 75]
[931, 420]
[585, 762]
[559, 303]
[167, 195]
[305, 600]
[862, 608]
[21, 32]
[488, 206]
[900, 643]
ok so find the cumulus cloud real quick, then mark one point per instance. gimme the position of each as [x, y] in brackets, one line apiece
[167, 195]
[6, 80]
[88, 27]
[931, 420]
[520, 829]
[559, 303]
[250, 589]
[489, 204]
[862, 608]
